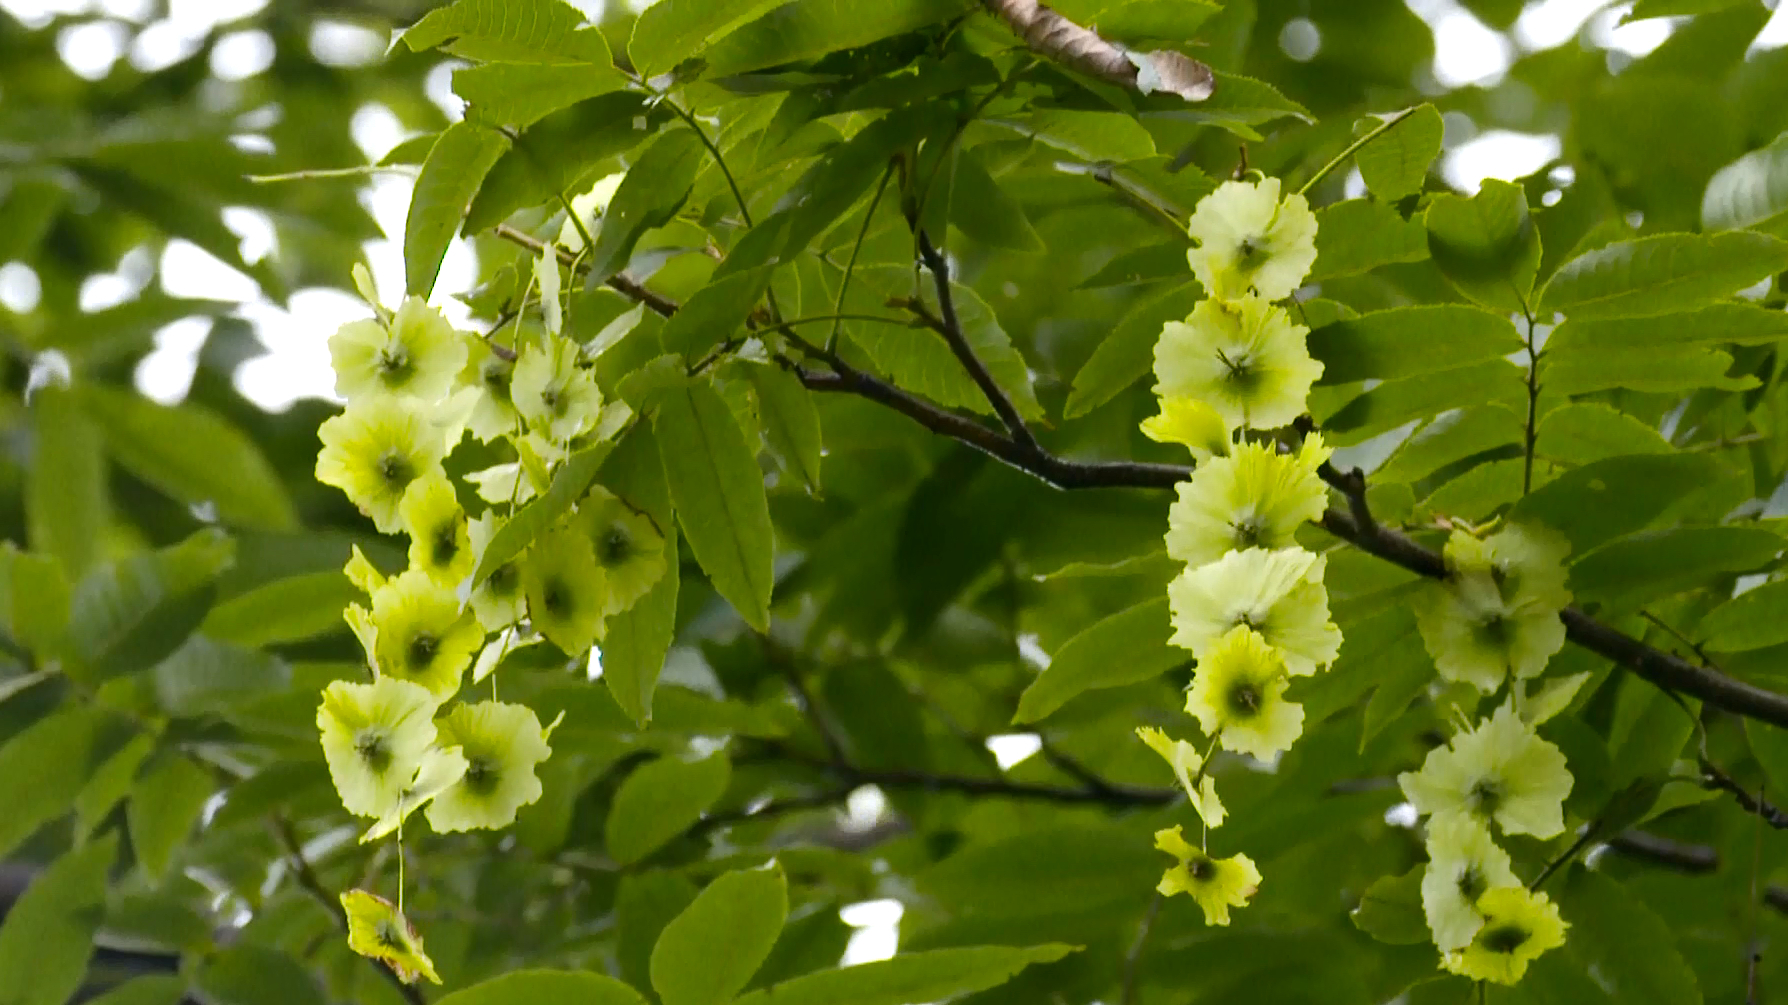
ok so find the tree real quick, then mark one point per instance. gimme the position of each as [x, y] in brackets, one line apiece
[1376, 576]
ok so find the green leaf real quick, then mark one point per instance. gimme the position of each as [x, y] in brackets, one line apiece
[192, 454]
[164, 805]
[1769, 744]
[65, 488]
[791, 422]
[979, 207]
[109, 783]
[654, 189]
[48, 933]
[1668, 370]
[569, 484]
[1401, 672]
[1739, 323]
[1087, 866]
[546, 987]
[1395, 402]
[33, 600]
[1098, 137]
[1678, 8]
[1125, 648]
[286, 610]
[1598, 502]
[1631, 951]
[514, 31]
[633, 650]
[521, 94]
[916, 977]
[130, 616]
[1396, 163]
[450, 178]
[562, 154]
[660, 800]
[671, 31]
[803, 29]
[206, 676]
[714, 313]
[1240, 103]
[1486, 245]
[1582, 432]
[708, 953]
[1662, 274]
[1755, 619]
[1749, 193]
[1167, 20]
[647, 901]
[251, 974]
[151, 989]
[1128, 353]
[42, 766]
[1360, 235]
[718, 490]
[1410, 342]
[1450, 438]
[1658, 563]
[1391, 909]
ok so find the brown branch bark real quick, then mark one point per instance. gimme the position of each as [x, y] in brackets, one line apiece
[1080, 48]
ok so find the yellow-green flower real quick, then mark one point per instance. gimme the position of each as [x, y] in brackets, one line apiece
[559, 399]
[1193, 425]
[374, 736]
[566, 590]
[1183, 758]
[1500, 771]
[1497, 612]
[1254, 498]
[418, 355]
[423, 636]
[1464, 863]
[1519, 926]
[1238, 696]
[628, 547]
[1277, 593]
[377, 930]
[1251, 239]
[360, 571]
[441, 767]
[1216, 884]
[502, 743]
[498, 600]
[439, 543]
[1243, 358]
[1526, 561]
[486, 379]
[374, 450]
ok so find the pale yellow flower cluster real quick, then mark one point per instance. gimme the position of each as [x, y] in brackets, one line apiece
[1250, 605]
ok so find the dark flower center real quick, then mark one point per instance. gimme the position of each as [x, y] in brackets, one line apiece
[371, 748]
[496, 375]
[1250, 532]
[615, 547]
[481, 775]
[1471, 883]
[1485, 796]
[554, 400]
[423, 646]
[1242, 373]
[503, 581]
[445, 544]
[394, 467]
[1202, 869]
[1505, 938]
[1244, 698]
[394, 364]
[556, 597]
[389, 937]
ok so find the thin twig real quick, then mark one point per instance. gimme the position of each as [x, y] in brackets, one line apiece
[1354, 147]
[1715, 778]
[856, 247]
[622, 283]
[965, 353]
[1533, 405]
[1133, 958]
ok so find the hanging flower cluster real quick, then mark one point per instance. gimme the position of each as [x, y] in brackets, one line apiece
[408, 738]
[1494, 622]
[1250, 604]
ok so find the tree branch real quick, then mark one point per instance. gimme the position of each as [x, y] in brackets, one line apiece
[1083, 49]
[951, 328]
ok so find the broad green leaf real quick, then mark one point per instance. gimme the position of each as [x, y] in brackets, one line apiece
[207, 676]
[192, 454]
[1632, 952]
[654, 189]
[671, 31]
[1396, 163]
[1360, 235]
[1598, 502]
[1395, 402]
[1652, 564]
[1098, 137]
[33, 600]
[561, 154]
[1402, 672]
[569, 484]
[1240, 103]
[1749, 193]
[979, 207]
[1754, 619]
[1126, 647]
[803, 29]
[521, 94]
[450, 178]
[707, 954]
[1486, 245]
[1127, 354]
[164, 805]
[647, 901]
[1391, 909]
[1582, 432]
[1769, 744]
[660, 800]
[1740, 323]
[791, 422]
[546, 987]
[515, 31]
[718, 490]
[1145, 264]
[65, 488]
[1087, 866]
[1662, 274]
[130, 616]
[1680, 368]
[1411, 341]
[1168, 20]
[715, 313]
[251, 974]
[637, 639]
[48, 934]
[286, 610]
[109, 783]
[915, 977]
[1678, 8]
[44, 765]
[151, 989]
[1452, 437]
